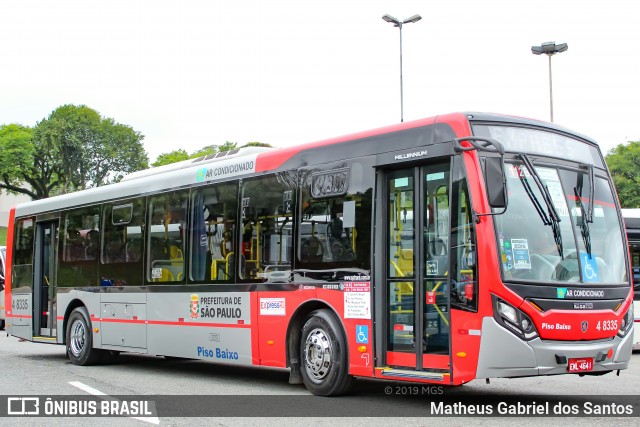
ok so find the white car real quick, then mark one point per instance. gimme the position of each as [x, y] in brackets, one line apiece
[3, 253]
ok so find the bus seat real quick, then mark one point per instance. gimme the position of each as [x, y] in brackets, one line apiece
[92, 246]
[437, 247]
[217, 269]
[404, 289]
[75, 245]
[114, 252]
[133, 250]
[405, 262]
[166, 276]
[542, 268]
[312, 250]
[175, 253]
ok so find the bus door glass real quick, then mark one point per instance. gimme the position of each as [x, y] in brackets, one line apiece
[417, 282]
[44, 292]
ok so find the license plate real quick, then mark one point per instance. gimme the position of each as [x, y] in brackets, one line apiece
[581, 364]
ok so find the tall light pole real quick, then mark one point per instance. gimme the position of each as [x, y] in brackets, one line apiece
[549, 49]
[398, 23]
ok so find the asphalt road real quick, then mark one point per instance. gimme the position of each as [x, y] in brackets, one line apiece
[41, 369]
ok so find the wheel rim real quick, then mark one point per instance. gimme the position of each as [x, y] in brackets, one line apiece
[78, 338]
[318, 355]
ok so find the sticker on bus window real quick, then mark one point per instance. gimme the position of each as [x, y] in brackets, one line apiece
[521, 259]
[432, 268]
[557, 196]
[156, 273]
[589, 268]
[507, 256]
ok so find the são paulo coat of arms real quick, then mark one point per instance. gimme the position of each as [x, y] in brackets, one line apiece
[194, 307]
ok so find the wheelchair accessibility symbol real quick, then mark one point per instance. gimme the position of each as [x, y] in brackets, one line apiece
[362, 334]
[589, 268]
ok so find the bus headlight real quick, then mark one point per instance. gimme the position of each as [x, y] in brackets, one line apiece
[507, 311]
[627, 322]
[513, 319]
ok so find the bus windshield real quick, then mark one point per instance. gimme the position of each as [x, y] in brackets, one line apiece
[553, 232]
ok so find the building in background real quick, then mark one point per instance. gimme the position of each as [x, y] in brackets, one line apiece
[7, 201]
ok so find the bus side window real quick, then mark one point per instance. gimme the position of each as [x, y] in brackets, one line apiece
[267, 234]
[328, 231]
[122, 232]
[75, 269]
[464, 283]
[212, 231]
[166, 239]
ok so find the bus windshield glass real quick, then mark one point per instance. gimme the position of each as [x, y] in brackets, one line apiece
[551, 230]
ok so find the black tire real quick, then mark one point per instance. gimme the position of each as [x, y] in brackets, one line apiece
[79, 339]
[2, 325]
[323, 355]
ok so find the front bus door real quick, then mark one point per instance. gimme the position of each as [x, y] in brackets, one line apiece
[417, 219]
[44, 292]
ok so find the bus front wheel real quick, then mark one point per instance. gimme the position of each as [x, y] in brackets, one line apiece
[80, 339]
[323, 354]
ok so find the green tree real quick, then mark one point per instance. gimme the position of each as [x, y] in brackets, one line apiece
[624, 163]
[204, 151]
[181, 155]
[228, 146]
[256, 144]
[20, 161]
[171, 157]
[73, 149]
[70, 134]
[119, 153]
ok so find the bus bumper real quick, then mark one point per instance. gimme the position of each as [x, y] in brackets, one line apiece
[502, 354]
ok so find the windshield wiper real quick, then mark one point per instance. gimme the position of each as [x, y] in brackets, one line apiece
[553, 219]
[592, 193]
[536, 203]
[586, 215]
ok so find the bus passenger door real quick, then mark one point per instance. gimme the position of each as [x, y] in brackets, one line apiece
[416, 248]
[44, 291]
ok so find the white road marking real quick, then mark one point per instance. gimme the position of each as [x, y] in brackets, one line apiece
[95, 392]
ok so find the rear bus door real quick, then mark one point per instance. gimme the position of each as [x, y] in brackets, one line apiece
[44, 291]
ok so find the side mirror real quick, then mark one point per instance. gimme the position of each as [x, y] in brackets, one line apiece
[495, 182]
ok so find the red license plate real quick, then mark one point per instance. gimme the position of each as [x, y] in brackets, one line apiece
[581, 364]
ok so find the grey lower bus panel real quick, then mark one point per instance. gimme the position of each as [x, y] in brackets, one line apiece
[502, 354]
[214, 326]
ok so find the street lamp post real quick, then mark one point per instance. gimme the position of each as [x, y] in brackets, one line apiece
[398, 23]
[549, 49]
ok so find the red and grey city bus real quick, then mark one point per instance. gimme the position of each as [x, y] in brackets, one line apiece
[441, 250]
[632, 223]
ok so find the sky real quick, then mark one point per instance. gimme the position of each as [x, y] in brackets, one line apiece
[189, 73]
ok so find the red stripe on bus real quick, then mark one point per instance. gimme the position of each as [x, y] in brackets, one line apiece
[19, 316]
[274, 159]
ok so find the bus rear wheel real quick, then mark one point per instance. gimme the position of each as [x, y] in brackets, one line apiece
[79, 339]
[323, 354]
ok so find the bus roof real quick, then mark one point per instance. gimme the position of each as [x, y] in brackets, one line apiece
[247, 161]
